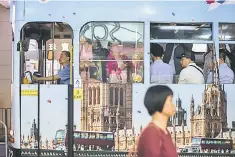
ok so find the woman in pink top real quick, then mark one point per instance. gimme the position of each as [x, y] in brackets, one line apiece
[155, 140]
[117, 65]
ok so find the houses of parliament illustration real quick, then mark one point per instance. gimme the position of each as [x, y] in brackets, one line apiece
[108, 107]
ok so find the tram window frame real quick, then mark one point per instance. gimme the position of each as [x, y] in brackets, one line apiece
[200, 61]
[45, 31]
[111, 41]
[182, 41]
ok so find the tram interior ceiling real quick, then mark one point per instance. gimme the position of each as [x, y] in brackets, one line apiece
[189, 31]
[40, 52]
[112, 52]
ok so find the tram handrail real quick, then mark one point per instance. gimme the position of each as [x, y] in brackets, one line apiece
[5, 135]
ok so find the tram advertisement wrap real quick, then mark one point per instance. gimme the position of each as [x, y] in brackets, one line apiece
[108, 106]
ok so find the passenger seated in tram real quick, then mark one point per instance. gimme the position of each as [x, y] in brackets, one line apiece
[226, 75]
[64, 74]
[191, 74]
[160, 72]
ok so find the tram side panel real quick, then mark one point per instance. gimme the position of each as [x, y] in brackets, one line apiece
[53, 116]
[46, 110]
[29, 117]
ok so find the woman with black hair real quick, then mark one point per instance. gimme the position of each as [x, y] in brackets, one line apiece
[155, 140]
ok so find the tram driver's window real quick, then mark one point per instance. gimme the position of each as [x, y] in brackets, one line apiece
[112, 52]
[45, 53]
[227, 53]
[191, 62]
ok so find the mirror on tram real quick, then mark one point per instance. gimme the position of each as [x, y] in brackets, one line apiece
[226, 53]
[190, 62]
[18, 46]
[46, 50]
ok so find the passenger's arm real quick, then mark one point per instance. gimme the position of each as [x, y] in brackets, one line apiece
[183, 78]
[49, 78]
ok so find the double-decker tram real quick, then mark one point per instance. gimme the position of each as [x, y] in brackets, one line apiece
[86, 140]
[218, 145]
[82, 64]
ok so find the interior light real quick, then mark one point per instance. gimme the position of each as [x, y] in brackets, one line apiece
[202, 25]
[204, 36]
[228, 37]
[178, 27]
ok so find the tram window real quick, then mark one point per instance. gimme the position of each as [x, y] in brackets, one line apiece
[97, 136]
[203, 59]
[226, 63]
[190, 31]
[103, 136]
[227, 31]
[112, 52]
[84, 135]
[110, 136]
[43, 43]
[77, 135]
[91, 135]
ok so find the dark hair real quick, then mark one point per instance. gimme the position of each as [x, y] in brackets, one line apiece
[155, 98]
[222, 55]
[156, 50]
[67, 54]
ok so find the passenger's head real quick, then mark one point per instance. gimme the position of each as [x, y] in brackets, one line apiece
[222, 57]
[186, 58]
[156, 51]
[158, 99]
[116, 48]
[64, 57]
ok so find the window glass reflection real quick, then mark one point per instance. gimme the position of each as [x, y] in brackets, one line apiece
[112, 52]
[184, 63]
[226, 31]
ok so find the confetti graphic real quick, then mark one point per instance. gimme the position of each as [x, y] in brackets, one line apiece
[216, 3]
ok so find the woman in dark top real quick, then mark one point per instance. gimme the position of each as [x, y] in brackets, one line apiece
[155, 140]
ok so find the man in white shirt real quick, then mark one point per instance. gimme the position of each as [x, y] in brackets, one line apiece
[160, 72]
[226, 75]
[191, 74]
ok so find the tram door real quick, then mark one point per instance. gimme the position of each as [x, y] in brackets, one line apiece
[46, 74]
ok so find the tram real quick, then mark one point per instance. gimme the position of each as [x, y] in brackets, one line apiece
[94, 91]
[203, 144]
